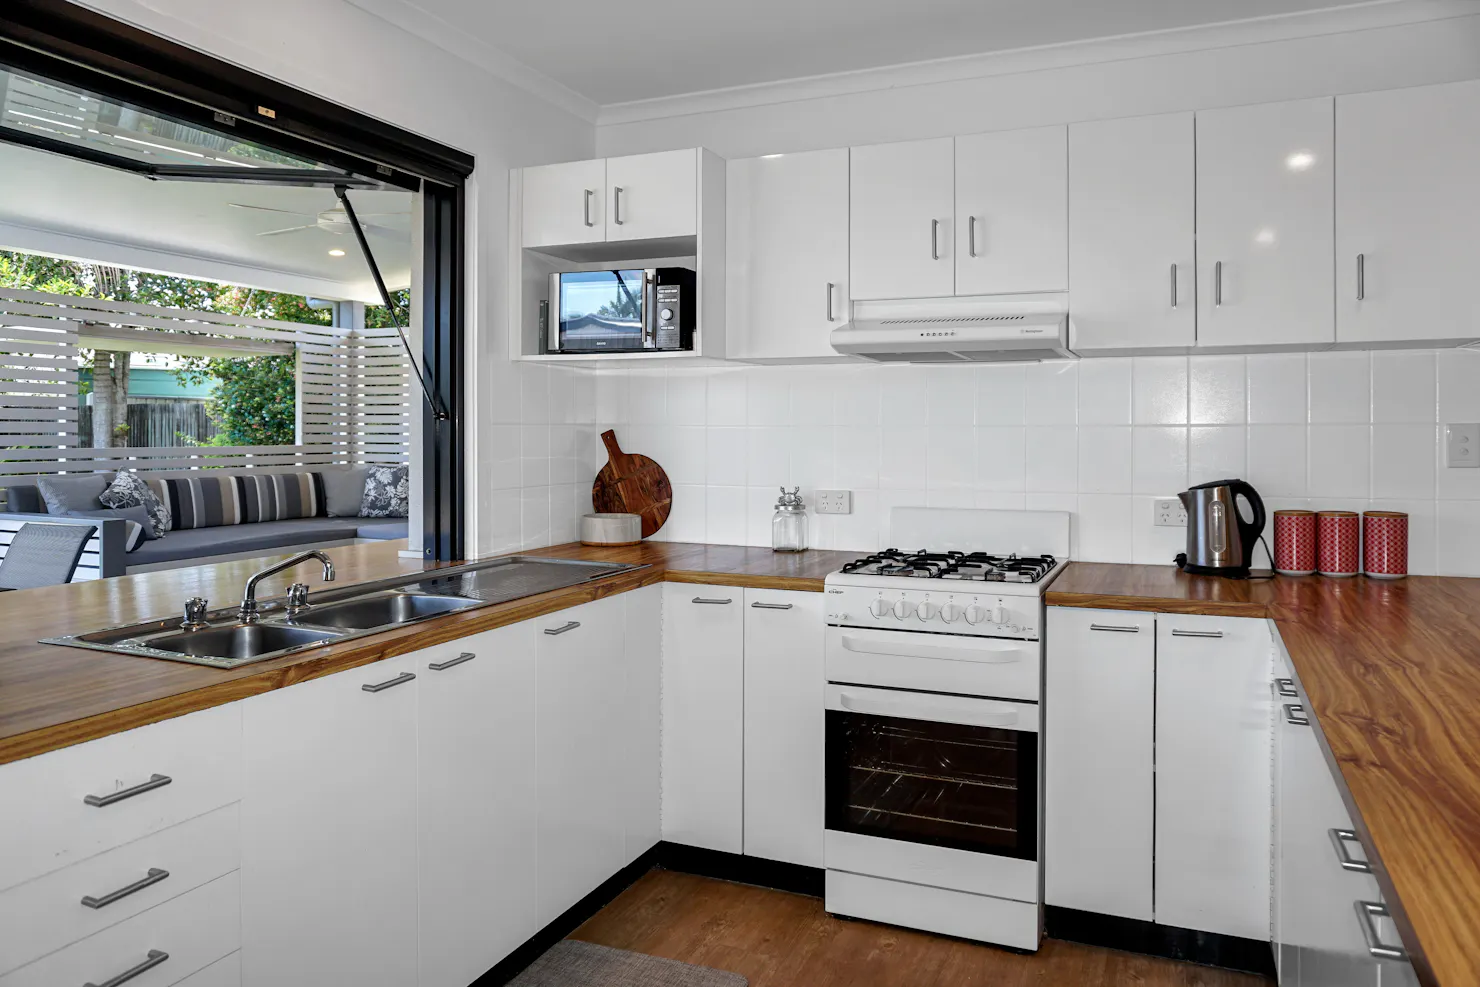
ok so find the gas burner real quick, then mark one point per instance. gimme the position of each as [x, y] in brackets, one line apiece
[976, 566]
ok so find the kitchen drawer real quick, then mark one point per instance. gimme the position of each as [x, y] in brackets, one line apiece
[189, 933]
[225, 972]
[47, 913]
[955, 663]
[50, 824]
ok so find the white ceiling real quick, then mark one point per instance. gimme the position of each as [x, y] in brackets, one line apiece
[56, 205]
[615, 52]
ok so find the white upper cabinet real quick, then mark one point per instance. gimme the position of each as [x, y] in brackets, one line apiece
[1132, 234]
[652, 195]
[1408, 214]
[787, 231]
[1265, 225]
[565, 203]
[1012, 203]
[902, 202]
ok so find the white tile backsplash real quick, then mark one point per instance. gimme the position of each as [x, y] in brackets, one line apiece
[1216, 390]
[1159, 390]
[1276, 388]
[1339, 388]
[1105, 392]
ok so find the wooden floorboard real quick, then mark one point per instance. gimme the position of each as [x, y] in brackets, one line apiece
[778, 939]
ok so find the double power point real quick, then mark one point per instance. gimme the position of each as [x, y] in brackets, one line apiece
[834, 502]
[1168, 512]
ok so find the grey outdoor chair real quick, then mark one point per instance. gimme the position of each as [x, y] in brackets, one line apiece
[43, 555]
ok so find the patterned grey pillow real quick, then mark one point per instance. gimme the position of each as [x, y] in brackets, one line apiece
[387, 492]
[128, 490]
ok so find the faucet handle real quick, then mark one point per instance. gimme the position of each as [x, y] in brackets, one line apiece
[297, 598]
[195, 613]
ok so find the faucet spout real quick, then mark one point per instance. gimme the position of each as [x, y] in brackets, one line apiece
[249, 610]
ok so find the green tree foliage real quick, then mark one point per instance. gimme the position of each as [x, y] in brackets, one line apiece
[253, 401]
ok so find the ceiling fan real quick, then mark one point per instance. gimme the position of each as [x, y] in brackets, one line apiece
[334, 221]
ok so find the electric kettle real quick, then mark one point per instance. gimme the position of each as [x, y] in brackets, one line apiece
[1219, 541]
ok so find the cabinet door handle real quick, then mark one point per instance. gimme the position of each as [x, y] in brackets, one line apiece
[1286, 687]
[1295, 715]
[1339, 839]
[1118, 628]
[829, 301]
[935, 239]
[1174, 286]
[569, 625]
[1179, 632]
[155, 957]
[154, 876]
[155, 781]
[1366, 912]
[971, 235]
[700, 599]
[773, 606]
[617, 204]
[438, 666]
[1361, 276]
[401, 679]
[1218, 284]
[587, 213]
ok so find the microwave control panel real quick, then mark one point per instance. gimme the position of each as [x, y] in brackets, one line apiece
[667, 322]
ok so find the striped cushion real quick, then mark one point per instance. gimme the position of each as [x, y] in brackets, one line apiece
[282, 496]
[200, 501]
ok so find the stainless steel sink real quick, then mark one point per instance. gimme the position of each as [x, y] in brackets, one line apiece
[240, 641]
[383, 610]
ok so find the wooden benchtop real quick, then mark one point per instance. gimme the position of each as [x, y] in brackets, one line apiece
[53, 697]
[1391, 670]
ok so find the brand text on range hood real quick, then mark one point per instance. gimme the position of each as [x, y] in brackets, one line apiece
[979, 329]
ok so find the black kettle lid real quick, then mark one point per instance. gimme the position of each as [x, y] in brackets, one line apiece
[1215, 483]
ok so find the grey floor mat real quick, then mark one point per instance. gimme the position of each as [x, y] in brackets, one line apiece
[571, 963]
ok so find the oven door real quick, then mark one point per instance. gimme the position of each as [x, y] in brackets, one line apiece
[940, 790]
[600, 311]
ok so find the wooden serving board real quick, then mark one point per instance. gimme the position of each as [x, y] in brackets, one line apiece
[633, 485]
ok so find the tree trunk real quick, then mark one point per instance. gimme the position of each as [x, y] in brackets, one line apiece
[110, 399]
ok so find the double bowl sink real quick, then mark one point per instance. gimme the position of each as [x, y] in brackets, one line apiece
[342, 615]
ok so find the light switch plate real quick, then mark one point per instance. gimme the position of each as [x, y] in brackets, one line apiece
[1168, 512]
[1461, 445]
[834, 502]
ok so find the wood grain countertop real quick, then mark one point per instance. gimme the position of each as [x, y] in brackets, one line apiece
[53, 696]
[1391, 670]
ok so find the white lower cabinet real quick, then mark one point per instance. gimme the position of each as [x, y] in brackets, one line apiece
[642, 720]
[329, 861]
[784, 679]
[476, 802]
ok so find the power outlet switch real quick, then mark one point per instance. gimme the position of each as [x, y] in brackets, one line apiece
[834, 502]
[1168, 512]
[1461, 445]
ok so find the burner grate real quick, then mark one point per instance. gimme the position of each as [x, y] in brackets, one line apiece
[970, 566]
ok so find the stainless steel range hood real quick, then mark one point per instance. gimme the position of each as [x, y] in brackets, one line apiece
[970, 329]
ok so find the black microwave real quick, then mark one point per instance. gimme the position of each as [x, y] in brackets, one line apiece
[621, 311]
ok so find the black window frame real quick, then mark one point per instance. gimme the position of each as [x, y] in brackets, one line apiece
[68, 44]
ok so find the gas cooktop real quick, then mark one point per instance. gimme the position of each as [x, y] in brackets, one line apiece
[977, 566]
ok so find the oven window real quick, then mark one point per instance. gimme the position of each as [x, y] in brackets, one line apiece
[969, 788]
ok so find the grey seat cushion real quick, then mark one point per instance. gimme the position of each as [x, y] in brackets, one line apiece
[383, 528]
[195, 543]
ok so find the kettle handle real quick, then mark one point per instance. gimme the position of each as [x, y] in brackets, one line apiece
[1248, 532]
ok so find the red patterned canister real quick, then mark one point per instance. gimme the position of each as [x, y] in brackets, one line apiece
[1295, 542]
[1338, 543]
[1385, 544]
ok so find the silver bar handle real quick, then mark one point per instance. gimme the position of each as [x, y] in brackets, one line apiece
[1361, 276]
[617, 204]
[154, 876]
[1366, 912]
[438, 666]
[1179, 632]
[1174, 286]
[401, 679]
[1118, 628]
[935, 239]
[569, 625]
[772, 606]
[1218, 284]
[587, 214]
[971, 235]
[829, 301]
[1339, 839]
[155, 781]
[1295, 715]
[700, 599]
[155, 957]
[1286, 687]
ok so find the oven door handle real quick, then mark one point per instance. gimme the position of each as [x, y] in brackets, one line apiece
[951, 714]
[990, 652]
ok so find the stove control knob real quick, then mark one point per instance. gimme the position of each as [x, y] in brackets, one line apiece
[926, 610]
[879, 607]
[950, 613]
[975, 614]
[903, 609]
[999, 615]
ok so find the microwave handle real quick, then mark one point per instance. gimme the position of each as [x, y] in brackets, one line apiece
[649, 305]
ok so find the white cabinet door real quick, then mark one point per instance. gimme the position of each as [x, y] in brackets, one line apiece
[703, 715]
[1265, 242]
[902, 199]
[1213, 774]
[788, 254]
[476, 802]
[642, 719]
[1012, 212]
[580, 683]
[653, 195]
[328, 828]
[1099, 709]
[564, 203]
[1132, 234]
[784, 681]
[1408, 214]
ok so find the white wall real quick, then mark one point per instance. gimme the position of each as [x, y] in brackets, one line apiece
[342, 53]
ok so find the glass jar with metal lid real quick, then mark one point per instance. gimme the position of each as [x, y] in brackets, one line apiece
[789, 523]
